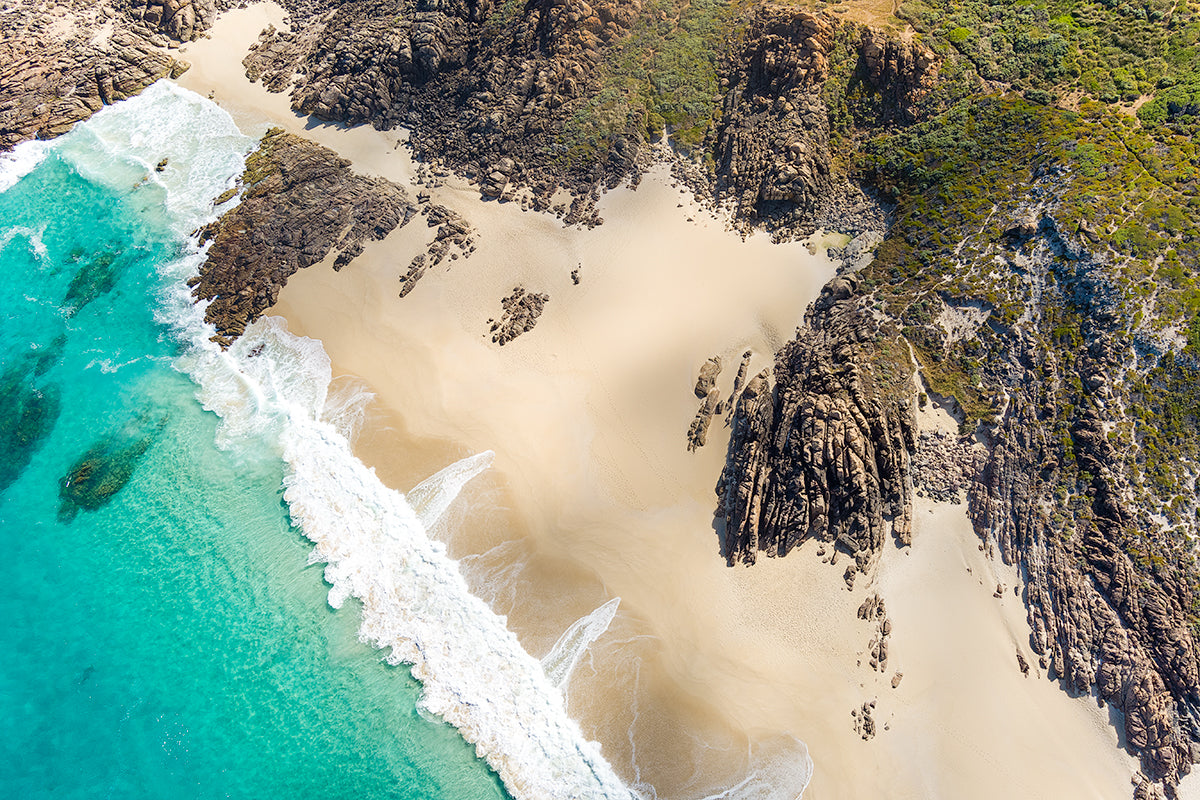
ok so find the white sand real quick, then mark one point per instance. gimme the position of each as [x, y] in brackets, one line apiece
[594, 496]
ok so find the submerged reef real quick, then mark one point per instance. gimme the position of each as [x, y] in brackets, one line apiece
[29, 408]
[109, 464]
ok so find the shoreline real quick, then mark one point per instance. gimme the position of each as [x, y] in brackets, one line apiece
[772, 643]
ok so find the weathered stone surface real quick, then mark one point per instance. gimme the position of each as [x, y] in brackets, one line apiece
[521, 312]
[826, 452]
[698, 431]
[182, 20]
[708, 377]
[300, 203]
[46, 86]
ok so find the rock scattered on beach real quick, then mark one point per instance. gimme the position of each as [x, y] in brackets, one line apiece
[455, 237]
[944, 466]
[864, 723]
[521, 312]
[708, 377]
[698, 431]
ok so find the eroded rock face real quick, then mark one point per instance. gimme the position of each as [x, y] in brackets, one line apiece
[1096, 620]
[825, 452]
[300, 203]
[46, 86]
[828, 452]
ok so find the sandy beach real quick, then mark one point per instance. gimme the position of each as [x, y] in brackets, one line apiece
[707, 672]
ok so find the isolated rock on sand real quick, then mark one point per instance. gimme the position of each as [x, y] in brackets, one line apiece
[698, 432]
[521, 312]
[708, 377]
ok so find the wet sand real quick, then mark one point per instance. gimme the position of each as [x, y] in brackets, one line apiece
[707, 670]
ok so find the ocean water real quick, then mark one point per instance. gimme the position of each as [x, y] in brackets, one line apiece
[170, 629]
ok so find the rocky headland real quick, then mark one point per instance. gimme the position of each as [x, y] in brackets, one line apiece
[60, 64]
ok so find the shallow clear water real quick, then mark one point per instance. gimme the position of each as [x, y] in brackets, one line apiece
[165, 635]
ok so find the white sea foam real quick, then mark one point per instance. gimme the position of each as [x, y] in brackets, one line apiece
[20, 161]
[560, 662]
[122, 145]
[432, 496]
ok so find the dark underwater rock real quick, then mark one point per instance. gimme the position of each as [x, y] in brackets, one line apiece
[29, 409]
[106, 466]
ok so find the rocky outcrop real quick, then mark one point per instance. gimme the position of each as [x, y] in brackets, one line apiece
[825, 452]
[300, 202]
[487, 89]
[775, 158]
[707, 377]
[47, 84]
[1096, 620]
[521, 312]
[182, 20]
[829, 451]
[697, 435]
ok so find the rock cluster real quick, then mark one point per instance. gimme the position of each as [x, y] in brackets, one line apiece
[521, 312]
[182, 20]
[864, 723]
[873, 610]
[454, 237]
[484, 88]
[825, 453]
[943, 466]
[300, 202]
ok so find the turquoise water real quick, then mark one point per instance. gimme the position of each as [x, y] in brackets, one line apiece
[165, 634]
